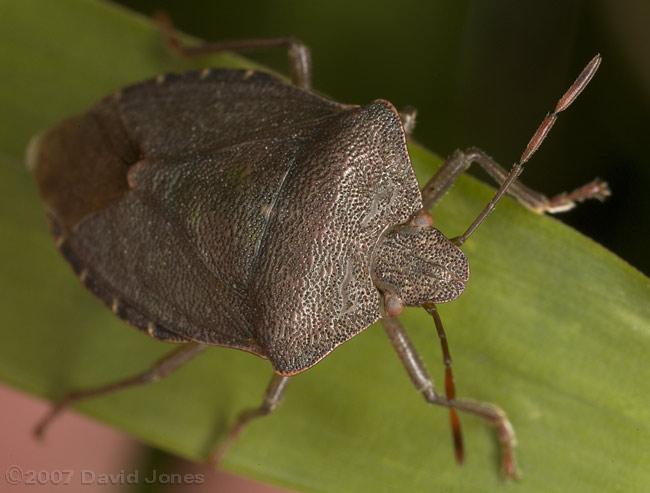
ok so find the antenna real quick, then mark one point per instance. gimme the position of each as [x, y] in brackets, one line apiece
[538, 137]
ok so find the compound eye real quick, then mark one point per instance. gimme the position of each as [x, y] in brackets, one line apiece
[393, 305]
[422, 219]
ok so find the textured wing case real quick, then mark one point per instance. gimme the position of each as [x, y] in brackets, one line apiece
[229, 208]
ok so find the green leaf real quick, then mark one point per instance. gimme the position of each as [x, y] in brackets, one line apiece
[552, 327]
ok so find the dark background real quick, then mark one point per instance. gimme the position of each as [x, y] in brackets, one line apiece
[482, 73]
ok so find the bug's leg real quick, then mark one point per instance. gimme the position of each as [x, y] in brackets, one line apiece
[423, 383]
[272, 397]
[408, 116]
[158, 370]
[460, 161]
[298, 52]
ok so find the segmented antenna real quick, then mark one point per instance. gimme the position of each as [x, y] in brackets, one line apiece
[538, 137]
[450, 388]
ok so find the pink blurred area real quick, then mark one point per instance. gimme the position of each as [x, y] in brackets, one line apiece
[79, 454]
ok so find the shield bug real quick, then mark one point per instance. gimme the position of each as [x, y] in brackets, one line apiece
[227, 207]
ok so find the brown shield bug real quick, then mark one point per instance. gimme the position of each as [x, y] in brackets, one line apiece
[227, 207]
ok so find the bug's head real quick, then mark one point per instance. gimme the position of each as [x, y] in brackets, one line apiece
[414, 263]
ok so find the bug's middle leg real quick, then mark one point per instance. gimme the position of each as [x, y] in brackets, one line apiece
[272, 397]
[298, 53]
[460, 161]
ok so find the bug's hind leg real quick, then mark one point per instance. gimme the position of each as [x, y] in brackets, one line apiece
[298, 52]
[272, 398]
[158, 370]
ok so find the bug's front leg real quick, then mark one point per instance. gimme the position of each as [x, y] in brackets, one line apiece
[423, 384]
[460, 161]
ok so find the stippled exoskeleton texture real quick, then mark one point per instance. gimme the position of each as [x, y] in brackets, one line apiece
[227, 207]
